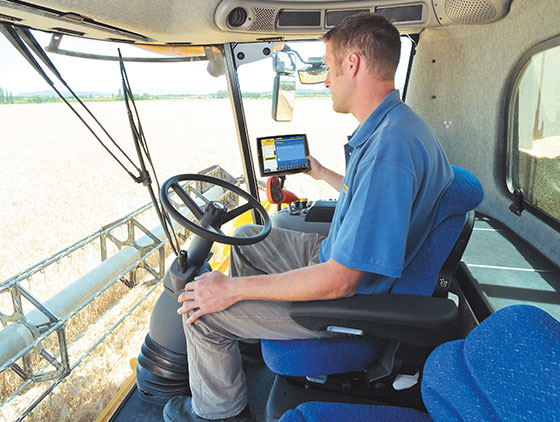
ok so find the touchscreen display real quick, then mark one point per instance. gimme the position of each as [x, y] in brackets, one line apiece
[283, 154]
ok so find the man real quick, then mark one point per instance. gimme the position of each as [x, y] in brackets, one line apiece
[394, 178]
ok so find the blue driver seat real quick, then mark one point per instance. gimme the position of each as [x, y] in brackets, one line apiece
[507, 369]
[408, 314]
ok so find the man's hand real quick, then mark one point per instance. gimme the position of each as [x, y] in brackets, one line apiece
[316, 168]
[208, 293]
[320, 172]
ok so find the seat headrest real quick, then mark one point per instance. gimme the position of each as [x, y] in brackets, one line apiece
[464, 193]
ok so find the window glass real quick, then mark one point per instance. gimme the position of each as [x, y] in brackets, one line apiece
[535, 133]
[58, 184]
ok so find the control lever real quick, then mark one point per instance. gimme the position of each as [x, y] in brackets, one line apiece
[276, 194]
[187, 266]
[180, 273]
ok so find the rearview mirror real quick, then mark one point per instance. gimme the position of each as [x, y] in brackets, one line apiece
[283, 97]
[284, 89]
[284, 62]
[314, 74]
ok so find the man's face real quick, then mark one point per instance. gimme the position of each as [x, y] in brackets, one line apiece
[335, 81]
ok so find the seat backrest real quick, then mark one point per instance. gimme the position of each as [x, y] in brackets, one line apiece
[464, 194]
[507, 369]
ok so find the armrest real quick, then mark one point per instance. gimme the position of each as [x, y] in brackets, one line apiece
[321, 211]
[425, 321]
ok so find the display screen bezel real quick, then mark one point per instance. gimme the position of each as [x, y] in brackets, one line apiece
[282, 172]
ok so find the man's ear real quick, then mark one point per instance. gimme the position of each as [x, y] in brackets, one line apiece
[354, 63]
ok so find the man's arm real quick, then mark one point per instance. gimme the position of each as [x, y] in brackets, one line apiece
[214, 292]
[319, 172]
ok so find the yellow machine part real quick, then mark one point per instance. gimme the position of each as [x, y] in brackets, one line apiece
[179, 50]
[116, 401]
[245, 218]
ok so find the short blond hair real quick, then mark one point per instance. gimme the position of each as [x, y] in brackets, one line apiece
[373, 37]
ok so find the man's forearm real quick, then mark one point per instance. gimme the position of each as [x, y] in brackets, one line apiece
[332, 178]
[320, 172]
[318, 282]
[214, 292]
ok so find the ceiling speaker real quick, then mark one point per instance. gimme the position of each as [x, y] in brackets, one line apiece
[246, 16]
[470, 11]
[263, 19]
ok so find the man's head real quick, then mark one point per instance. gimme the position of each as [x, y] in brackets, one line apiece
[371, 36]
[362, 56]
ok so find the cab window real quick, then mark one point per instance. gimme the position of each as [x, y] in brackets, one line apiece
[534, 131]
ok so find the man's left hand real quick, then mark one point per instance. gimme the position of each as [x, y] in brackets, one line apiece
[208, 293]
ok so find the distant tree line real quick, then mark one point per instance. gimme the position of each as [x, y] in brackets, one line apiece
[6, 97]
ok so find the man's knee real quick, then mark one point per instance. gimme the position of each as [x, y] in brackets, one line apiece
[202, 329]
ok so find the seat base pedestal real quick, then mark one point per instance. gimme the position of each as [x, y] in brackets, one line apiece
[285, 395]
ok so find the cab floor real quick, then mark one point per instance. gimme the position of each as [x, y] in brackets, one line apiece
[506, 270]
[259, 383]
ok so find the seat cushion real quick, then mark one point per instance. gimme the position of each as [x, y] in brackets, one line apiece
[320, 356]
[506, 369]
[337, 412]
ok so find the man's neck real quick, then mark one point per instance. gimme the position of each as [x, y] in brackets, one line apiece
[369, 96]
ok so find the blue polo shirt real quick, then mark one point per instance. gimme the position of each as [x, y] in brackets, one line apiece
[394, 177]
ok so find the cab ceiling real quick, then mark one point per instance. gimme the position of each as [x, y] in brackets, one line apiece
[210, 21]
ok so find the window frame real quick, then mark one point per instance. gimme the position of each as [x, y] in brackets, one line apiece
[511, 100]
[415, 40]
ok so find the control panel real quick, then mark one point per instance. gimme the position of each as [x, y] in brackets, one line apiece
[306, 216]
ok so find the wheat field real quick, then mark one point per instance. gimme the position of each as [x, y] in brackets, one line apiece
[58, 185]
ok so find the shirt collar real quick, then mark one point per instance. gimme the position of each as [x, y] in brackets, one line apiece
[364, 131]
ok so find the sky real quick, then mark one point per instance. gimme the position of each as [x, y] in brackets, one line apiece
[18, 76]
[86, 75]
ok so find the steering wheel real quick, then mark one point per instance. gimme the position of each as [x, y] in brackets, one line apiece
[212, 231]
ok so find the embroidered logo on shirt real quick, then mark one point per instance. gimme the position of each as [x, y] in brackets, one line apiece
[344, 188]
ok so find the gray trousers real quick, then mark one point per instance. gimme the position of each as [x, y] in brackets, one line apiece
[216, 377]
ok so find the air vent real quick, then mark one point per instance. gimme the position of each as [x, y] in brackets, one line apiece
[9, 18]
[121, 40]
[237, 17]
[402, 13]
[301, 19]
[470, 11]
[68, 32]
[336, 16]
[179, 44]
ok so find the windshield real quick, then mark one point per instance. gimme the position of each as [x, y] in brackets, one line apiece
[61, 184]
